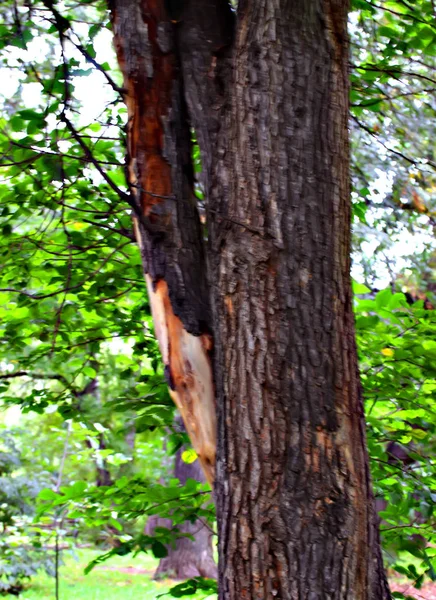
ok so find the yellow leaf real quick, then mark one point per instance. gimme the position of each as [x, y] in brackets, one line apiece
[77, 225]
[189, 456]
[387, 352]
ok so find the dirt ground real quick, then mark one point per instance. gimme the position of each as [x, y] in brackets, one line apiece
[427, 592]
[127, 570]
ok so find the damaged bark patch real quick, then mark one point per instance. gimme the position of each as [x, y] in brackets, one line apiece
[188, 370]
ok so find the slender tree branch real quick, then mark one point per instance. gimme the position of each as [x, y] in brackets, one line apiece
[392, 71]
[111, 82]
[97, 165]
[35, 376]
[68, 289]
[396, 152]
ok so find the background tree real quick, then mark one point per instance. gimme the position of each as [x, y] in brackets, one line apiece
[191, 555]
[21, 553]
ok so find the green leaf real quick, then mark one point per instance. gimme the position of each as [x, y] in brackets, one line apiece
[93, 30]
[115, 524]
[383, 298]
[29, 114]
[396, 301]
[158, 549]
[122, 482]
[75, 490]
[360, 288]
[189, 456]
[89, 371]
[388, 32]
[16, 123]
[426, 32]
[47, 494]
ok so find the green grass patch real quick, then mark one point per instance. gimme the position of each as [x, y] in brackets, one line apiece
[119, 578]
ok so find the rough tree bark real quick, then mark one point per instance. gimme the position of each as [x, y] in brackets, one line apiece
[268, 98]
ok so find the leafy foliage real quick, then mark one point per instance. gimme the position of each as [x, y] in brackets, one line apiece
[398, 366]
[21, 552]
[128, 500]
[392, 125]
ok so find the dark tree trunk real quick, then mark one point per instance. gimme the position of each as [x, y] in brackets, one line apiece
[295, 507]
[269, 102]
[103, 475]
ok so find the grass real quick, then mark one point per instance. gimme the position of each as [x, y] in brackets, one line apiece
[106, 582]
[110, 581]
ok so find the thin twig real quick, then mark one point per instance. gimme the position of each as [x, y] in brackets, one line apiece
[97, 65]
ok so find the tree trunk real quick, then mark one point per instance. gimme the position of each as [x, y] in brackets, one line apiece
[103, 475]
[269, 102]
[166, 219]
[92, 390]
[295, 507]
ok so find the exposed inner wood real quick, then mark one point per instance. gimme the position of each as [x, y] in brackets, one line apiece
[189, 374]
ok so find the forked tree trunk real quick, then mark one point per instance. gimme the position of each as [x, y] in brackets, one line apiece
[166, 219]
[268, 99]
